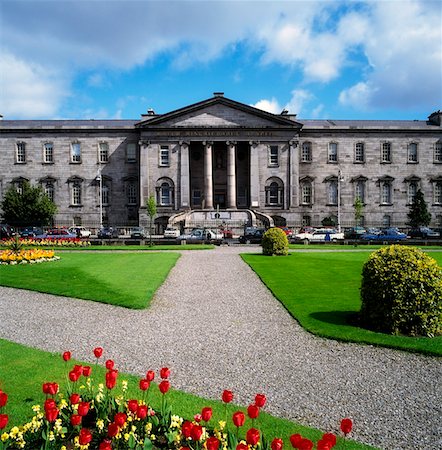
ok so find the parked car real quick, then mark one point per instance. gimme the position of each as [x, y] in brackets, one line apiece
[387, 235]
[354, 232]
[107, 233]
[171, 232]
[319, 235]
[423, 233]
[226, 232]
[201, 235]
[81, 232]
[57, 233]
[30, 232]
[6, 231]
[252, 235]
[137, 233]
[288, 232]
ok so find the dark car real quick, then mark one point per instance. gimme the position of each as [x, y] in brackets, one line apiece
[387, 235]
[107, 233]
[354, 232]
[423, 233]
[6, 231]
[252, 235]
[30, 232]
[57, 233]
[137, 233]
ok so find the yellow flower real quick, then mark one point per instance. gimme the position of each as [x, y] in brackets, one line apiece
[4, 437]
[100, 424]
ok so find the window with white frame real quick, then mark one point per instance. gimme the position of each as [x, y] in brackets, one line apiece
[273, 155]
[359, 152]
[386, 192]
[165, 193]
[332, 152]
[49, 190]
[386, 152]
[75, 152]
[411, 191]
[131, 191]
[164, 156]
[131, 152]
[412, 153]
[306, 152]
[19, 185]
[306, 221]
[437, 192]
[103, 152]
[274, 193]
[306, 193]
[438, 152]
[20, 153]
[332, 192]
[360, 190]
[76, 193]
[48, 153]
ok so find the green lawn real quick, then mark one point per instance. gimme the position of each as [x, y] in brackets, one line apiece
[18, 362]
[124, 279]
[321, 290]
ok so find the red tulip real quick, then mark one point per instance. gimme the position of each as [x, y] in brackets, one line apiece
[52, 414]
[98, 351]
[242, 447]
[75, 398]
[253, 411]
[66, 356]
[276, 444]
[329, 437]
[165, 373]
[87, 371]
[83, 408]
[196, 432]
[3, 398]
[132, 406]
[49, 404]
[305, 444]
[164, 386]
[105, 445]
[346, 425]
[120, 419]
[206, 414]
[212, 443]
[50, 388]
[111, 378]
[3, 421]
[238, 419]
[198, 418]
[144, 384]
[260, 400]
[109, 364]
[323, 445]
[75, 420]
[84, 437]
[227, 396]
[252, 436]
[186, 429]
[74, 376]
[150, 375]
[78, 369]
[142, 412]
[295, 440]
[112, 429]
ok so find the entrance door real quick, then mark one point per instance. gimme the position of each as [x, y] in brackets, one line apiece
[220, 198]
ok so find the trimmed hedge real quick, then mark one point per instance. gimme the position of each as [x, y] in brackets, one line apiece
[275, 242]
[401, 292]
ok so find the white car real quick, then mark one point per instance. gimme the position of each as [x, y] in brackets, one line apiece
[171, 232]
[82, 231]
[320, 235]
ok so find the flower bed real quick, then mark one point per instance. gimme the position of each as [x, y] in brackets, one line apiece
[48, 242]
[91, 416]
[30, 256]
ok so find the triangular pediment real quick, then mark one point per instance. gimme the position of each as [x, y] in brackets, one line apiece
[219, 112]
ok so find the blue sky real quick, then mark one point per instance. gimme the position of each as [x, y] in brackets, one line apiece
[107, 59]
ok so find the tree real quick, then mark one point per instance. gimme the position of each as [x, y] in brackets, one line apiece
[151, 208]
[29, 207]
[359, 207]
[418, 215]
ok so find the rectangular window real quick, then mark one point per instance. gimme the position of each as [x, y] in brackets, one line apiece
[131, 152]
[307, 194]
[76, 194]
[412, 189]
[196, 197]
[359, 152]
[438, 152]
[333, 152]
[103, 152]
[164, 155]
[49, 191]
[386, 152]
[333, 193]
[48, 153]
[360, 191]
[131, 194]
[306, 152]
[386, 194]
[273, 155]
[438, 193]
[75, 152]
[21, 153]
[104, 195]
[412, 153]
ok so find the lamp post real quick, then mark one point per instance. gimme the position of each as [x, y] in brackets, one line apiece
[340, 179]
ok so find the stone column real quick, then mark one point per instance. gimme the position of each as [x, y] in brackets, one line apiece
[184, 175]
[231, 175]
[254, 174]
[293, 199]
[208, 175]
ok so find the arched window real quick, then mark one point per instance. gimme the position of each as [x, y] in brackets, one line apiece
[165, 192]
[274, 193]
[306, 187]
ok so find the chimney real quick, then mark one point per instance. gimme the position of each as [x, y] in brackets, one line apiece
[435, 118]
[218, 94]
[150, 112]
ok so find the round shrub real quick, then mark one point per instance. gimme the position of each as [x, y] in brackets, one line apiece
[275, 242]
[401, 292]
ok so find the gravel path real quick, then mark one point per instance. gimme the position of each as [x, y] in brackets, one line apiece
[218, 327]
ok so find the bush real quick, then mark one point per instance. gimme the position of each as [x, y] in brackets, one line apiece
[401, 292]
[275, 242]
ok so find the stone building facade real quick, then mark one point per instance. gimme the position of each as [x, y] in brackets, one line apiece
[220, 161]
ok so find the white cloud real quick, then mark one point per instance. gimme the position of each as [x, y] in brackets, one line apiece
[299, 98]
[271, 106]
[29, 90]
[357, 96]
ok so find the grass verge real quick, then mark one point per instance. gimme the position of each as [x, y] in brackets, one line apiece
[321, 290]
[122, 279]
[23, 370]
